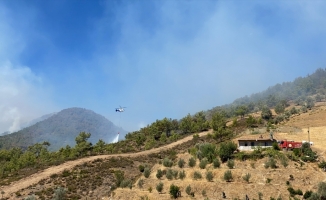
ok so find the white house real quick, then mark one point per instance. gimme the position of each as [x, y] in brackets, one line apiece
[249, 142]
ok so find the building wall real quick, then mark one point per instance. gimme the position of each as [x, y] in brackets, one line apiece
[251, 144]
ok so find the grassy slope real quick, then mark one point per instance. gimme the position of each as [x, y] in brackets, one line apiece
[305, 178]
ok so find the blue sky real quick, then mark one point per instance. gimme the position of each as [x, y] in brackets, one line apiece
[157, 58]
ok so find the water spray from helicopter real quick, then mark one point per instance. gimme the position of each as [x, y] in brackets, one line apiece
[120, 110]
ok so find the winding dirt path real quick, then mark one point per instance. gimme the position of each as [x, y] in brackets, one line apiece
[35, 178]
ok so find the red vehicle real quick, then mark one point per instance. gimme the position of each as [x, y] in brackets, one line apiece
[288, 144]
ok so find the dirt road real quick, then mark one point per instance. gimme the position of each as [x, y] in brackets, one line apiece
[35, 178]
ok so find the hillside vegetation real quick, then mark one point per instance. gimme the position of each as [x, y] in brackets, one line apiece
[270, 110]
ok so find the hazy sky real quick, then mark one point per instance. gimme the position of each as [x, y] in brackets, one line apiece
[160, 58]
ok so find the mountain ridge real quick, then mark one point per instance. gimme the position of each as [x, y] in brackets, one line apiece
[61, 129]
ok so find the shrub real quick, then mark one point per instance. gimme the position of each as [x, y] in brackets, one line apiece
[294, 192]
[216, 163]
[192, 162]
[59, 193]
[246, 177]
[181, 163]
[174, 191]
[188, 190]
[203, 193]
[260, 196]
[284, 161]
[271, 162]
[126, 183]
[159, 173]
[230, 164]
[268, 180]
[175, 174]
[276, 146]
[206, 150]
[322, 189]
[228, 176]
[147, 172]
[150, 189]
[159, 187]
[119, 177]
[197, 175]
[167, 162]
[141, 183]
[209, 176]
[252, 164]
[141, 168]
[203, 163]
[30, 198]
[307, 194]
[169, 174]
[182, 174]
[322, 164]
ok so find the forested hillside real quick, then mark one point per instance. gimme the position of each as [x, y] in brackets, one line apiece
[62, 128]
[300, 91]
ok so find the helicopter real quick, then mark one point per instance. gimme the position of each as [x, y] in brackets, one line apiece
[121, 109]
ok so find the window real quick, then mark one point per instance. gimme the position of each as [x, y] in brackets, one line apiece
[252, 144]
[246, 144]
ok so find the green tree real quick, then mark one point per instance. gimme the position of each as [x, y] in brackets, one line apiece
[251, 121]
[169, 174]
[228, 176]
[167, 162]
[182, 174]
[201, 124]
[209, 176]
[99, 146]
[266, 113]
[206, 150]
[147, 172]
[310, 103]
[38, 148]
[241, 111]
[181, 163]
[197, 175]
[159, 187]
[279, 108]
[192, 162]
[174, 191]
[218, 124]
[203, 163]
[163, 137]
[187, 125]
[159, 173]
[188, 190]
[230, 164]
[216, 163]
[82, 145]
[226, 150]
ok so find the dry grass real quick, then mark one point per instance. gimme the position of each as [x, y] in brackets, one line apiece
[305, 178]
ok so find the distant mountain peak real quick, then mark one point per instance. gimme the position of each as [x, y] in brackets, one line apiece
[61, 129]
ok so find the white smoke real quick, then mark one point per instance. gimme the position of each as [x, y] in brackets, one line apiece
[22, 96]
